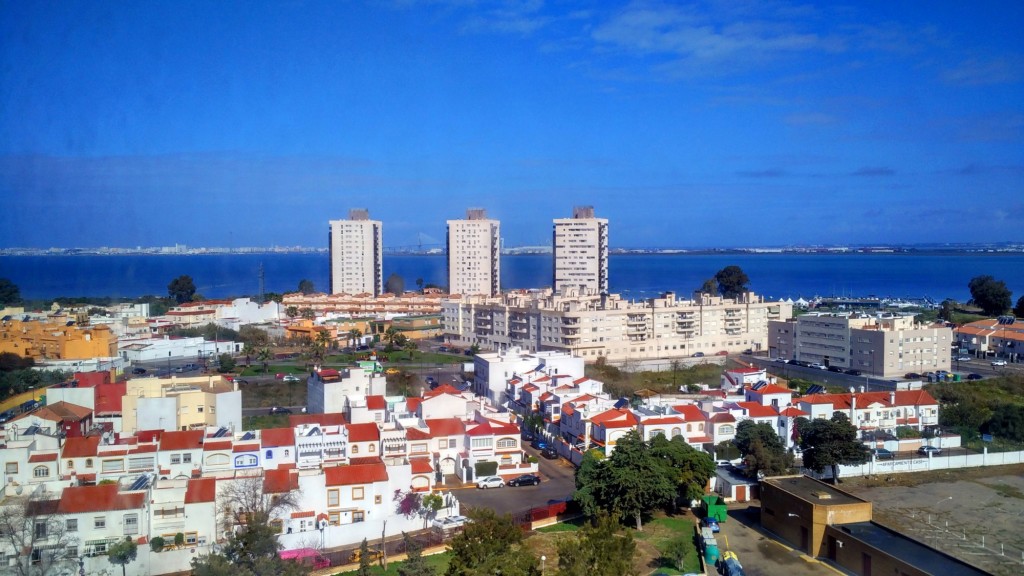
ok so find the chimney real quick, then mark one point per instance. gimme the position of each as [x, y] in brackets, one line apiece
[892, 398]
[853, 409]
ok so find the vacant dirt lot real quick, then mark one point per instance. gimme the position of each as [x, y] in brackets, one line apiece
[973, 514]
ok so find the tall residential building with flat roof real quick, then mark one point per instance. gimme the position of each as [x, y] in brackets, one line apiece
[474, 254]
[357, 249]
[581, 251]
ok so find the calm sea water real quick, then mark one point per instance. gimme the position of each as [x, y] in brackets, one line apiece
[935, 276]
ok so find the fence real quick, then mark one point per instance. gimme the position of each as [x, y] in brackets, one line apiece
[945, 462]
[552, 512]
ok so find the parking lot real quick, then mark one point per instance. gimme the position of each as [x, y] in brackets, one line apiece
[761, 554]
[557, 483]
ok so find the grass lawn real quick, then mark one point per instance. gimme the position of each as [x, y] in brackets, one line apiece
[265, 421]
[661, 532]
[568, 526]
[277, 393]
[438, 561]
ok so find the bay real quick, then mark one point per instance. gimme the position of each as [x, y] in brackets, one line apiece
[917, 275]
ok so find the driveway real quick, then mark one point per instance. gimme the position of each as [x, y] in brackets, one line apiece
[760, 554]
[557, 484]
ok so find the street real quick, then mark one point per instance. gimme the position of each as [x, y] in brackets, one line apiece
[557, 484]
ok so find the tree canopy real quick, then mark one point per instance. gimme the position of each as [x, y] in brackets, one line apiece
[989, 294]
[490, 543]
[9, 292]
[1018, 309]
[762, 450]
[123, 553]
[395, 284]
[306, 286]
[831, 443]
[414, 564]
[1008, 422]
[182, 289]
[598, 549]
[732, 281]
[688, 468]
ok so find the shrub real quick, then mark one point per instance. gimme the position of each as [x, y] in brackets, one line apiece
[156, 544]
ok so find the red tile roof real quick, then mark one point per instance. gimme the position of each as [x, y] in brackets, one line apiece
[104, 498]
[793, 412]
[334, 419]
[64, 412]
[280, 481]
[442, 389]
[691, 412]
[201, 490]
[355, 474]
[367, 432]
[416, 434]
[445, 427]
[275, 437]
[755, 410]
[51, 457]
[567, 409]
[421, 466]
[181, 440]
[667, 420]
[771, 389]
[247, 447]
[615, 414]
[80, 447]
[865, 399]
[217, 445]
[304, 514]
[491, 428]
[108, 397]
[376, 402]
[412, 404]
[723, 417]
[531, 388]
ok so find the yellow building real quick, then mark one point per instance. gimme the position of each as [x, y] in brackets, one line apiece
[49, 340]
[181, 403]
[419, 327]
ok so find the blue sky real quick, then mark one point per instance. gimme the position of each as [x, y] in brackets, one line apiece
[692, 125]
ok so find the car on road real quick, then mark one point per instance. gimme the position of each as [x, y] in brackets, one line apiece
[291, 378]
[911, 376]
[7, 415]
[722, 353]
[964, 359]
[280, 410]
[539, 444]
[781, 360]
[709, 522]
[392, 371]
[525, 480]
[137, 370]
[973, 376]
[926, 450]
[190, 367]
[854, 372]
[490, 482]
[698, 354]
[999, 362]
[835, 369]
[816, 365]
[882, 454]
[549, 453]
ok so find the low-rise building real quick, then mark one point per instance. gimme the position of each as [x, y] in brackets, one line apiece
[181, 403]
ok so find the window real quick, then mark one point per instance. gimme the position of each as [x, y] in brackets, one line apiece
[357, 516]
[277, 525]
[332, 497]
[175, 459]
[88, 462]
[355, 449]
[357, 493]
[41, 471]
[373, 447]
[506, 443]
[99, 522]
[140, 463]
[40, 529]
[12, 467]
[334, 518]
[192, 537]
[481, 442]
[131, 524]
[71, 464]
[199, 409]
[245, 461]
[112, 466]
[186, 458]
[377, 499]
[72, 524]
[419, 448]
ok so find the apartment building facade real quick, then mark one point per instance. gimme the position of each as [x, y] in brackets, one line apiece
[884, 344]
[56, 340]
[580, 248]
[474, 254]
[177, 403]
[357, 254]
[593, 325]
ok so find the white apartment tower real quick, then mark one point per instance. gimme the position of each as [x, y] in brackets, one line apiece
[474, 254]
[581, 251]
[357, 248]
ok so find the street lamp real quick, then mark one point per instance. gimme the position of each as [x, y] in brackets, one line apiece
[543, 558]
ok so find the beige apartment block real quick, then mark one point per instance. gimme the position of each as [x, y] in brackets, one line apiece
[474, 254]
[883, 344]
[580, 251]
[591, 325]
[357, 254]
[181, 403]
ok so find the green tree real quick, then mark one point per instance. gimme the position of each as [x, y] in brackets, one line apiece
[306, 286]
[9, 293]
[688, 467]
[629, 483]
[831, 443]
[364, 559]
[123, 553]
[414, 564]
[709, 287]
[762, 449]
[353, 337]
[989, 294]
[732, 281]
[292, 311]
[1018, 310]
[1007, 422]
[490, 543]
[227, 362]
[967, 413]
[392, 337]
[395, 284]
[307, 313]
[946, 309]
[264, 355]
[598, 549]
[182, 289]
[410, 346]
[273, 297]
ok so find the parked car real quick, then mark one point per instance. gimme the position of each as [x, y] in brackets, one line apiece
[709, 522]
[7, 415]
[490, 482]
[974, 376]
[525, 480]
[882, 454]
[999, 362]
[698, 354]
[539, 444]
[781, 360]
[449, 522]
[911, 375]
[442, 349]
[854, 372]
[291, 378]
[392, 371]
[836, 369]
[817, 365]
[190, 367]
[964, 359]
[549, 453]
[926, 450]
[280, 410]
[137, 370]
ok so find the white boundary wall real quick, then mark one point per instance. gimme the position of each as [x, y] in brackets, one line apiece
[940, 462]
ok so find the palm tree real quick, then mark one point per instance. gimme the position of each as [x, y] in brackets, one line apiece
[264, 356]
[324, 339]
[354, 335]
[391, 335]
[249, 350]
[410, 345]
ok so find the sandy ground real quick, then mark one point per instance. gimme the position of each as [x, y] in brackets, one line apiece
[973, 514]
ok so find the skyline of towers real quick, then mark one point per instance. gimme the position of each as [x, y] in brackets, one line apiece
[580, 251]
[357, 254]
[474, 254]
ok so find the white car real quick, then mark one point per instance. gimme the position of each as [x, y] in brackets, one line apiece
[490, 482]
[999, 362]
[291, 378]
[449, 523]
[818, 366]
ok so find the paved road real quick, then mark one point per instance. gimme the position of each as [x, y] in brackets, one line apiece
[557, 484]
[761, 554]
